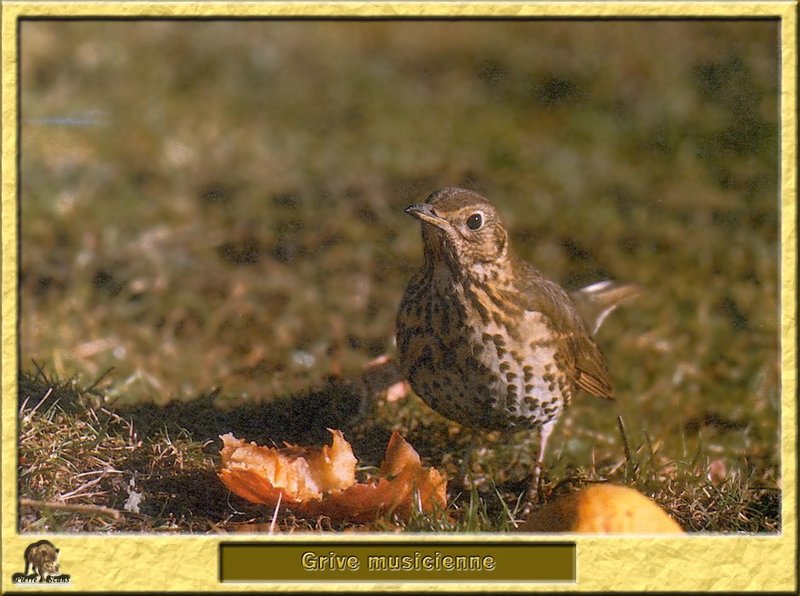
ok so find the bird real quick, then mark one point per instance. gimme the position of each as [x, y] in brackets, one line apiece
[484, 338]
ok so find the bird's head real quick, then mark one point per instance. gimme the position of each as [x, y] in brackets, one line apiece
[461, 226]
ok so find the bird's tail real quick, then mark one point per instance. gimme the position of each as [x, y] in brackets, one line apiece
[597, 301]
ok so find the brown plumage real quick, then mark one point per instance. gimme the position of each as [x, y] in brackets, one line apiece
[483, 337]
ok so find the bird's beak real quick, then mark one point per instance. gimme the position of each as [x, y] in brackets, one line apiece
[425, 212]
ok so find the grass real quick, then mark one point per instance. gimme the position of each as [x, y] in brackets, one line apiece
[215, 242]
[80, 462]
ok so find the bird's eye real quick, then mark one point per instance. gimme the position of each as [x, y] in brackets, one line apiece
[475, 221]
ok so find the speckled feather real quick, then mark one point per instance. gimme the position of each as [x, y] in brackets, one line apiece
[484, 337]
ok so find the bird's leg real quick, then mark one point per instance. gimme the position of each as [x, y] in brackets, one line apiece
[466, 457]
[534, 492]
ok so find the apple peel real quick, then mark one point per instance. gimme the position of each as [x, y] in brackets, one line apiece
[317, 482]
[403, 481]
[261, 474]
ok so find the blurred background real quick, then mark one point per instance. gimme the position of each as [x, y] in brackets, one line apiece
[220, 204]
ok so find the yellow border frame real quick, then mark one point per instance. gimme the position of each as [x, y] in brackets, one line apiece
[712, 563]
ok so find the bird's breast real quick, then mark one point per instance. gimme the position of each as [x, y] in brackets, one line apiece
[476, 357]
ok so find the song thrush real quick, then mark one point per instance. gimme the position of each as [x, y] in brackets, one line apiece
[483, 337]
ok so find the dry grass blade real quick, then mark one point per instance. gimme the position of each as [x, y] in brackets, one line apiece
[631, 466]
[71, 507]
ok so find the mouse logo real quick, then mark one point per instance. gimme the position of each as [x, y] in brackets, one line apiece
[41, 565]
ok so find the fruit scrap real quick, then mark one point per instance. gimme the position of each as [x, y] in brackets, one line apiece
[319, 482]
[602, 509]
[402, 481]
[261, 474]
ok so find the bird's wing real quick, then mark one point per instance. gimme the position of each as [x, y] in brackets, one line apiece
[584, 358]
